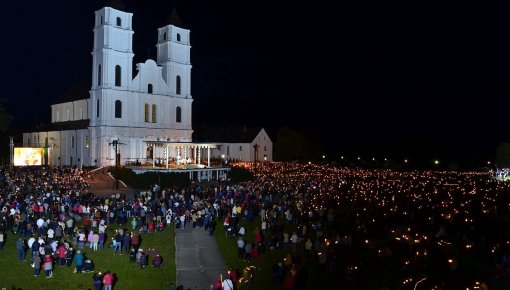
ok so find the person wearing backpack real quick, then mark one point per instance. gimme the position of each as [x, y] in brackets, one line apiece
[228, 284]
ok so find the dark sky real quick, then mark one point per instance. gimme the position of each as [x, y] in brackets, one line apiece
[368, 75]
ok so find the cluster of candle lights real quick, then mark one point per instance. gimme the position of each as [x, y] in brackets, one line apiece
[461, 201]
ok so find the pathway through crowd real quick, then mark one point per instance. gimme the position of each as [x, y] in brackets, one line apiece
[198, 259]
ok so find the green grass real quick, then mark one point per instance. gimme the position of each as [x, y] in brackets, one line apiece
[129, 276]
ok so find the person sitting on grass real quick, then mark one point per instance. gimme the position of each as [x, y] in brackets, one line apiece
[156, 262]
[143, 260]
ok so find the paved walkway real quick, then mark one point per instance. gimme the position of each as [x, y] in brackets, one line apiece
[198, 259]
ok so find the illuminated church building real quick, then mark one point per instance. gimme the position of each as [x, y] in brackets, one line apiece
[137, 112]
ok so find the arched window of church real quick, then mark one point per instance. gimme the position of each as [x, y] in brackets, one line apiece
[118, 109]
[99, 75]
[149, 88]
[164, 36]
[101, 20]
[178, 85]
[178, 37]
[97, 109]
[178, 114]
[153, 113]
[117, 75]
[119, 21]
[146, 112]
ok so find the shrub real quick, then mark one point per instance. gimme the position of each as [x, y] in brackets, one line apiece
[240, 174]
[146, 179]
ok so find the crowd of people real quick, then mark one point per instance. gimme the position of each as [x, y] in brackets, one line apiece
[384, 229]
[54, 218]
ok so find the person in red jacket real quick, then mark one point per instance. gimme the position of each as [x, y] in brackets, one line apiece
[61, 253]
[135, 241]
[48, 266]
[108, 281]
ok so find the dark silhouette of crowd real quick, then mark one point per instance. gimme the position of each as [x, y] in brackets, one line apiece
[373, 228]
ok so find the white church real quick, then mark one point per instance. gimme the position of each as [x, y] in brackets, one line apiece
[136, 116]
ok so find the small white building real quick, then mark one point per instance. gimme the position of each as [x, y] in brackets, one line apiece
[238, 144]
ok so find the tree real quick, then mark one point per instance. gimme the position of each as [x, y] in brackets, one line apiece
[503, 155]
[296, 145]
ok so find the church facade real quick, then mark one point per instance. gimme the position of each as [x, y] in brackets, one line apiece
[125, 109]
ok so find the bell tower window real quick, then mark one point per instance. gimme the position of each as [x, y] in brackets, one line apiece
[119, 21]
[99, 75]
[178, 85]
[178, 114]
[117, 76]
[149, 88]
[118, 109]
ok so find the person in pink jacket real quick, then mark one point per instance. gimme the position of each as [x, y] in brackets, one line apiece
[108, 281]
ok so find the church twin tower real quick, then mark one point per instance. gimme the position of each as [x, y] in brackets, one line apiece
[112, 63]
[156, 103]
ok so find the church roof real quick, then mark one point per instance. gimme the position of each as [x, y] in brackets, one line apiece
[63, 126]
[77, 92]
[230, 134]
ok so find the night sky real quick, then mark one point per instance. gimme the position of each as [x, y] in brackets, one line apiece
[376, 76]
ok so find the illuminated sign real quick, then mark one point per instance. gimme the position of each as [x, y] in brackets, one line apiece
[26, 156]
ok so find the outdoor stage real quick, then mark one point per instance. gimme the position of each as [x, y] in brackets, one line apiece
[197, 172]
[182, 157]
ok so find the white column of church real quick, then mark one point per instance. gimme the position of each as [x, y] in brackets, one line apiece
[199, 154]
[166, 157]
[208, 156]
[195, 154]
[153, 156]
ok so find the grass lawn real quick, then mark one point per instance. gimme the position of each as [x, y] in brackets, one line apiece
[129, 276]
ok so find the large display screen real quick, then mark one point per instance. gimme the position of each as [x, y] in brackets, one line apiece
[26, 156]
